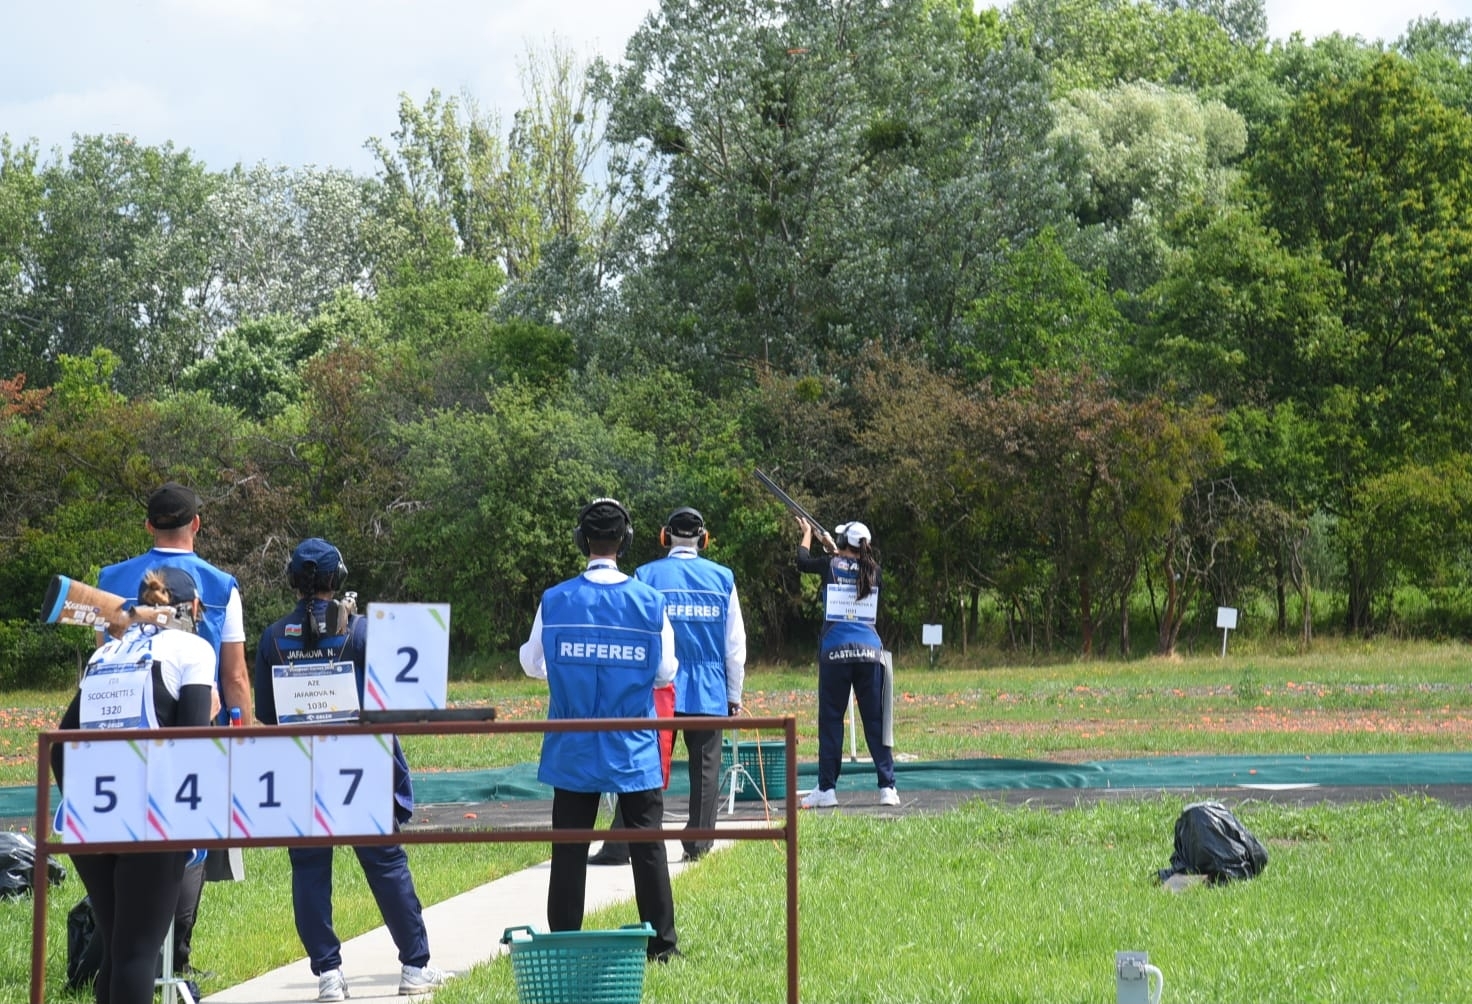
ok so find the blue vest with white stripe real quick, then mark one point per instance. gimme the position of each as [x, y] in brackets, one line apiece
[697, 598]
[122, 580]
[602, 645]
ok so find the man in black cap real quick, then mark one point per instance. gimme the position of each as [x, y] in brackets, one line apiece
[602, 642]
[710, 641]
[173, 520]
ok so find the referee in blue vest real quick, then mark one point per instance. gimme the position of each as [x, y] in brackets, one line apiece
[710, 641]
[603, 643]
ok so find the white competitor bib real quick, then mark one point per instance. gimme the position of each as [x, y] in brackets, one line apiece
[116, 695]
[308, 692]
[842, 603]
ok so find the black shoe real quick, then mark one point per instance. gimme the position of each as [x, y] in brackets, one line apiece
[665, 956]
[690, 857]
[193, 989]
[607, 857]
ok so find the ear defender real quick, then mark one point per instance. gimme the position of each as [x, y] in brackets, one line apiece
[691, 525]
[580, 534]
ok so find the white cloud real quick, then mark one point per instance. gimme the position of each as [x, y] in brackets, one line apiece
[309, 81]
[1370, 19]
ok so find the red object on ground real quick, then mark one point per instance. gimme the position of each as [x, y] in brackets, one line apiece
[664, 707]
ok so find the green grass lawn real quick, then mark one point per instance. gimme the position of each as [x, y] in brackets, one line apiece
[1359, 902]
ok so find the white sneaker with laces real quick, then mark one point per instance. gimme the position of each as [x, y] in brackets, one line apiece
[421, 979]
[888, 796]
[332, 986]
[820, 798]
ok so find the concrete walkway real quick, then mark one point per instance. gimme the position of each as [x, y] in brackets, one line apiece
[463, 932]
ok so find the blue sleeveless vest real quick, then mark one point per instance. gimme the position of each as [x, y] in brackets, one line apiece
[697, 597]
[602, 645]
[848, 641]
[122, 580]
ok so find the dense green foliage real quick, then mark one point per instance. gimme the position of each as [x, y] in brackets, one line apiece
[1102, 314]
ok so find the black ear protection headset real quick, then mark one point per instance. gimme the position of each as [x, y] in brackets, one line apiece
[692, 518]
[308, 579]
[580, 536]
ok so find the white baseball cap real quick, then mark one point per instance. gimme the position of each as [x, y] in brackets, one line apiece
[852, 534]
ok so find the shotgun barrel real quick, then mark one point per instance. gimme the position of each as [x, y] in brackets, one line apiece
[793, 506]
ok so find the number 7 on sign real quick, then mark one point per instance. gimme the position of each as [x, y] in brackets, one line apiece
[408, 656]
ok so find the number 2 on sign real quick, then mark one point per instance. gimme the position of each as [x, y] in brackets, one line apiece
[413, 654]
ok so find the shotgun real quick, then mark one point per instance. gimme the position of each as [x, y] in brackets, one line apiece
[796, 509]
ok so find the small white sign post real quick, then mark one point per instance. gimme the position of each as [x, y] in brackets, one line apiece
[930, 634]
[1226, 619]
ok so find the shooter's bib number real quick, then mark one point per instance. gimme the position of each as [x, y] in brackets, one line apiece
[113, 695]
[842, 603]
[315, 692]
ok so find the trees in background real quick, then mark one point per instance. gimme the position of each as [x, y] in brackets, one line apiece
[1100, 313]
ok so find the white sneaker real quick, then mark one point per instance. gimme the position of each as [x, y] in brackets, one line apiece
[888, 796]
[820, 798]
[422, 979]
[332, 986]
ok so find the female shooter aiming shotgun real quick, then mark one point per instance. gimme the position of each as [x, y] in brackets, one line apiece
[850, 657]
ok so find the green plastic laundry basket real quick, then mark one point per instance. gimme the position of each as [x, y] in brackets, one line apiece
[765, 769]
[578, 967]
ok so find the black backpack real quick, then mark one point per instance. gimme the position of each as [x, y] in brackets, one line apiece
[83, 946]
[1211, 842]
[18, 865]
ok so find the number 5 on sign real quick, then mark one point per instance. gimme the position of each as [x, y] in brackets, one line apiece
[104, 795]
[408, 656]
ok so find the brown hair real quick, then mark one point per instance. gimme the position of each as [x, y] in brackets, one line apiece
[154, 591]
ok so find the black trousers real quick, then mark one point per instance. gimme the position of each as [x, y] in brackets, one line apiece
[568, 885]
[133, 897]
[704, 750]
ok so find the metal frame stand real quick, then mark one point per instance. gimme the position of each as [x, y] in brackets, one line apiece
[171, 983]
[734, 774]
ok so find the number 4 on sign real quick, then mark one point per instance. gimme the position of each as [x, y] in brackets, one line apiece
[188, 789]
[408, 656]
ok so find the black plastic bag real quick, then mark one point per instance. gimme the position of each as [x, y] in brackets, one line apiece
[1211, 842]
[18, 865]
[83, 946]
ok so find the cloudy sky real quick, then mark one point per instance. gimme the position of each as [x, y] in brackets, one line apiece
[308, 81]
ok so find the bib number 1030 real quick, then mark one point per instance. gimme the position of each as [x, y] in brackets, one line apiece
[210, 789]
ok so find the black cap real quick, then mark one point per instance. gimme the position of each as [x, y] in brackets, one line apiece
[180, 584]
[603, 519]
[172, 506]
[686, 522]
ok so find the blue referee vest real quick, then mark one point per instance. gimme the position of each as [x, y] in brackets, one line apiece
[602, 646]
[697, 599]
[122, 580]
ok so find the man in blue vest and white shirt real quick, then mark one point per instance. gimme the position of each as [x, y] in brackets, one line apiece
[710, 642]
[173, 520]
[603, 643]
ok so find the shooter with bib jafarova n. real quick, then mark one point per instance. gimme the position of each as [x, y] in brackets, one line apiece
[323, 638]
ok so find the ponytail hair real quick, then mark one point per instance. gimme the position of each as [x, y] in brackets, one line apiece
[154, 591]
[868, 568]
